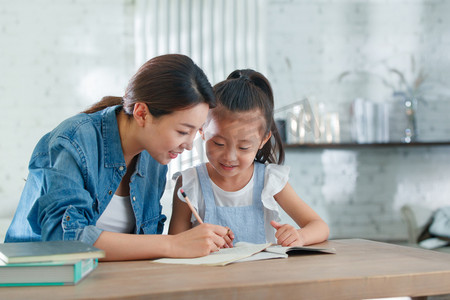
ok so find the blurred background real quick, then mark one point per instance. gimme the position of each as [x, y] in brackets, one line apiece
[360, 89]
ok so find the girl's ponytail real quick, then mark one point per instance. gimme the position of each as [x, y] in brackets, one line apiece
[246, 90]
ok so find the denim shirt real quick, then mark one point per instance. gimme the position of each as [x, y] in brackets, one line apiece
[73, 174]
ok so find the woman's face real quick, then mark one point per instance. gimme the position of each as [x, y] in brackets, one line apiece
[167, 136]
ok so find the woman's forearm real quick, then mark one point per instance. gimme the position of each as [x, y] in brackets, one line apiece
[198, 241]
[120, 246]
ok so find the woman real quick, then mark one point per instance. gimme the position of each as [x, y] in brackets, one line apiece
[99, 176]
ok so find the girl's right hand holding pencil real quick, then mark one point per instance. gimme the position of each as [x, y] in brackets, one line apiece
[199, 241]
[229, 239]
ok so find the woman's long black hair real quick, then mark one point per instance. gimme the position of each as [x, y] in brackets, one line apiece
[165, 83]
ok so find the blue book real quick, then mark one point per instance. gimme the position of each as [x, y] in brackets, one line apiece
[28, 252]
[46, 273]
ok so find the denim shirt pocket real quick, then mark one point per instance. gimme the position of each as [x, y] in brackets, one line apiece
[154, 225]
[72, 223]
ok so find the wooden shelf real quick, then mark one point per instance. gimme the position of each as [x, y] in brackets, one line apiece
[371, 145]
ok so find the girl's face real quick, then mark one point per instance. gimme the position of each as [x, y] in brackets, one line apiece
[167, 136]
[232, 141]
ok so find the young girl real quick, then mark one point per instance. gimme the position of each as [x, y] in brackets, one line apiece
[242, 182]
[99, 176]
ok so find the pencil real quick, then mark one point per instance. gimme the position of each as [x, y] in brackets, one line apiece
[191, 207]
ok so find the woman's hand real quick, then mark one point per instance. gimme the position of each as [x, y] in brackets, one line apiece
[198, 241]
[287, 235]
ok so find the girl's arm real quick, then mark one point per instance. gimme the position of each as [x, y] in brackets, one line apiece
[181, 217]
[312, 230]
[181, 214]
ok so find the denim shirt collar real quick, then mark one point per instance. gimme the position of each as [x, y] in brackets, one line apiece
[113, 147]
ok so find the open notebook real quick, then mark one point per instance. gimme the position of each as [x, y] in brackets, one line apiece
[245, 252]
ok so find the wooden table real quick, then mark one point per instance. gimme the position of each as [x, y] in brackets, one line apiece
[361, 269]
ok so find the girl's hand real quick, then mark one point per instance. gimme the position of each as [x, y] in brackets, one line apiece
[287, 235]
[229, 239]
[198, 241]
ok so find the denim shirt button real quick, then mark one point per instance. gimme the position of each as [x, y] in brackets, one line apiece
[110, 192]
[67, 218]
[134, 198]
[121, 168]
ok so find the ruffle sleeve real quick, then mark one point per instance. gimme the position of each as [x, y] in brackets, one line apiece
[191, 187]
[275, 179]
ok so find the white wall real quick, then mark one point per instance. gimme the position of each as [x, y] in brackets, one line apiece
[57, 57]
[310, 43]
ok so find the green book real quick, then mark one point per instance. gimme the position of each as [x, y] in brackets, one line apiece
[46, 273]
[12, 253]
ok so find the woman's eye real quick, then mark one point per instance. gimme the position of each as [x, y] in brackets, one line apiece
[218, 144]
[244, 148]
[183, 132]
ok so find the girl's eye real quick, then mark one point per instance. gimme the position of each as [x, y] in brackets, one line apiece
[244, 148]
[218, 144]
[183, 132]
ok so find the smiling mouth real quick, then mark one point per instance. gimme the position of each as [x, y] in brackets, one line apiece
[227, 167]
[173, 155]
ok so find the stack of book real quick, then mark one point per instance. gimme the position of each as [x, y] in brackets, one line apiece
[46, 263]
